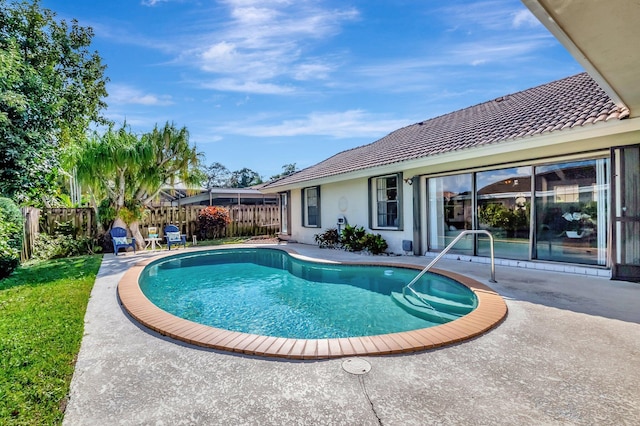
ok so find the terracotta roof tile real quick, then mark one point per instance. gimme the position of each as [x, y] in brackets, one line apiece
[567, 103]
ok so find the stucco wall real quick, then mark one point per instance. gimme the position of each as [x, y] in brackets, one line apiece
[351, 200]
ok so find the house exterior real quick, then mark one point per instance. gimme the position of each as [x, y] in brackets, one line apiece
[553, 172]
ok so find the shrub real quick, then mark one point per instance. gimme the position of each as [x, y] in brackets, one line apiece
[212, 221]
[355, 238]
[65, 242]
[374, 244]
[11, 223]
[352, 236]
[328, 239]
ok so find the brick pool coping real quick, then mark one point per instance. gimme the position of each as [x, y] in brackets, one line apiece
[490, 312]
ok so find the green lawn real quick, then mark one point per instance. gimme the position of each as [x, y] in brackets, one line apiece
[42, 307]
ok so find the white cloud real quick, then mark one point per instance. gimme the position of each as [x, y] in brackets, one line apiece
[244, 86]
[524, 18]
[124, 94]
[268, 40]
[346, 124]
[152, 2]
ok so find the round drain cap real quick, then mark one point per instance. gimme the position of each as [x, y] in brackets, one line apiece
[356, 366]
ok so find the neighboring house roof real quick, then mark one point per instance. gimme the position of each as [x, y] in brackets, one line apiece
[570, 102]
[183, 195]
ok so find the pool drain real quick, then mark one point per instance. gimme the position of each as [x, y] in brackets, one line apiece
[356, 366]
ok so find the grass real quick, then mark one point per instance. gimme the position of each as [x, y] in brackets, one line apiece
[222, 241]
[42, 307]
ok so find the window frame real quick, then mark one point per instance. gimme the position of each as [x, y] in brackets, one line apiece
[374, 203]
[305, 207]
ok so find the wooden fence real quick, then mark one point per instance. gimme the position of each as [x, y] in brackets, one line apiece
[246, 220]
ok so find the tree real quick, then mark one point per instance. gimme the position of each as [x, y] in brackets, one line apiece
[51, 89]
[11, 223]
[244, 178]
[287, 170]
[217, 176]
[130, 171]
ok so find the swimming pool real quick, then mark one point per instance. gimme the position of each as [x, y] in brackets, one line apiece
[271, 293]
[147, 287]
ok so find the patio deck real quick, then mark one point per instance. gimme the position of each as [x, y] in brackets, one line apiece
[567, 353]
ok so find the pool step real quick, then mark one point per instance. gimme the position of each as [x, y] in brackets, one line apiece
[443, 310]
[464, 298]
[442, 304]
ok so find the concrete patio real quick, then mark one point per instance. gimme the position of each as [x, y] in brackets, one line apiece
[567, 353]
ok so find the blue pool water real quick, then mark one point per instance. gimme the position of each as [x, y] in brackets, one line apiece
[269, 292]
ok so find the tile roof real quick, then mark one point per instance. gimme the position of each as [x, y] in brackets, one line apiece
[570, 102]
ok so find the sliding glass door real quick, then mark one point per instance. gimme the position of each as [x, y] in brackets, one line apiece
[450, 211]
[504, 206]
[571, 211]
[570, 201]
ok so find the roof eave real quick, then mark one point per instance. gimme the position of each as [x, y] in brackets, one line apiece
[615, 127]
[572, 43]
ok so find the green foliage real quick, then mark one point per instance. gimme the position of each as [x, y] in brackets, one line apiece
[132, 211]
[330, 238]
[499, 216]
[106, 213]
[51, 90]
[374, 244]
[43, 306]
[355, 238]
[287, 170]
[212, 221]
[352, 237]
[216, 176]
[244, 178]
[131, 170]
[11, 223]
[65, 242]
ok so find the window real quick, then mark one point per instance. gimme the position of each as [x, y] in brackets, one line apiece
[311, 207]
[386, 194]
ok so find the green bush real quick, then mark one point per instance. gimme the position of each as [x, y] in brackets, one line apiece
[351, 238]
[65, 242]
[11, 231]
[328, 239]
[374, 244]
[355, 238]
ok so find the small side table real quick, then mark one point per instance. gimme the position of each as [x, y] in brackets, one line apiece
[152, 242]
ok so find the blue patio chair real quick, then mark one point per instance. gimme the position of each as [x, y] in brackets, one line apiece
[119, 238]
[173, 237]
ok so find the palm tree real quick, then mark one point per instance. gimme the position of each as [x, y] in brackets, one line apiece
[130, 171]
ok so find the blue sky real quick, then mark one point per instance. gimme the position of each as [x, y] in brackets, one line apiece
[264, 83]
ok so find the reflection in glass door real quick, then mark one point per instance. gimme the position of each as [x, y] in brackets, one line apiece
[504, 206]
[571, 211]
[450, 212]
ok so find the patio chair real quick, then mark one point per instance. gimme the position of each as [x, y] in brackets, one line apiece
[119, 239]
[173, 236]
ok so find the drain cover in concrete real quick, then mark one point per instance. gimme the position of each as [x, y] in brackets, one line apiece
[356, 366]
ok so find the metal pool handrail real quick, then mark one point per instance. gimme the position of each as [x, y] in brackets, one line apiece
[442, 253]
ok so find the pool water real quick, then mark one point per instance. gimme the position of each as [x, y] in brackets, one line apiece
[269, 292]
